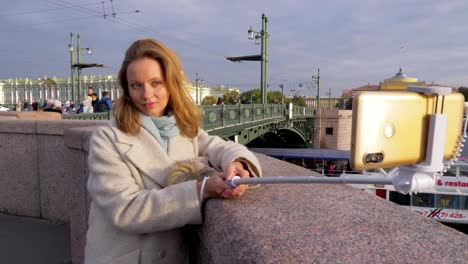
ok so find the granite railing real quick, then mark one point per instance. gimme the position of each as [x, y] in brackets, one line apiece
[293, 223]
[34, 178]
[45, 171]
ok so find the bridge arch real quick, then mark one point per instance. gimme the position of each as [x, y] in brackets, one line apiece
[280, 137]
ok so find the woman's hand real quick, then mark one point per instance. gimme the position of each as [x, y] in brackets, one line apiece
[216, 187]
[235, 169]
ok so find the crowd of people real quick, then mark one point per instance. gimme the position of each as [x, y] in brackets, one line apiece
[90, 104]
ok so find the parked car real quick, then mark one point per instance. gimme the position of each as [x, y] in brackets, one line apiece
[2, 108]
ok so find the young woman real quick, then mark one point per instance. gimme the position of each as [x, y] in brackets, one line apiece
[135, 216]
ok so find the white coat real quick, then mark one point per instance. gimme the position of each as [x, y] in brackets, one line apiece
[134, 216]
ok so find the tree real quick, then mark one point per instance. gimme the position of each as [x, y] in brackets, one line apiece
[251, 96]
[463, 90]
[274, 97]
[231, 97]
[345, 103]
[254, 96]
[299, 101]
[209, 100]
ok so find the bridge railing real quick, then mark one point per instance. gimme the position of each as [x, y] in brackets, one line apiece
[217, 116]
[299, 111]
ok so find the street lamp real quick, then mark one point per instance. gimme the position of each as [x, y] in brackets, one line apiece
[316, 80]
[260, 37]
[252, 97]
[282, 93]
[329, 98]
[254, 35]
[78, 61]
[197, 89]
[78, 65]
[71, 48]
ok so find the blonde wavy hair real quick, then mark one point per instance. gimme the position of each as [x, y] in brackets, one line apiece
[186, 112]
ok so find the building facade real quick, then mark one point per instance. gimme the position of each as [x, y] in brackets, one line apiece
[399, 82]
[332, 129]
[14, 91]
[325, 102]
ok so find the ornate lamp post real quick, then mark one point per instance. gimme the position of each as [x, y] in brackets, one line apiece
[316, 80]
[260, 37]
[197, 89]
[78, 65]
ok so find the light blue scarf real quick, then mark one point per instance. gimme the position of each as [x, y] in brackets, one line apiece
[162, 128]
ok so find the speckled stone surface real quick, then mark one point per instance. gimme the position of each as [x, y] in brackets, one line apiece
[321, 223]
[33, 178]
[53, 178]
[77, 141]
[56, 181]
[19, 183]
[57, 127]
[79, 204]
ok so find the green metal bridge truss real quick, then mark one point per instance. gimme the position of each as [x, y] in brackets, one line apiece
[245, 123]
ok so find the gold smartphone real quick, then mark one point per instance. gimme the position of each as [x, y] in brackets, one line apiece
[390, 128]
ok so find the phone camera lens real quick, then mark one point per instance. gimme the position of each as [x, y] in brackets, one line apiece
[379, 157]
[374, 157]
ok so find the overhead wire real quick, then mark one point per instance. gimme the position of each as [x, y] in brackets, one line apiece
[44, 23]
[134, 25]
[83, 8]
[6, 14]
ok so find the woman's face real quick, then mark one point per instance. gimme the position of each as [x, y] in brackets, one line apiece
[146, 86]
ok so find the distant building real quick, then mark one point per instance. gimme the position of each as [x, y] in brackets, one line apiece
[325, 102]
[20, 89]
[332, 129]
[367, 87]
[399, 82]
[205, 90]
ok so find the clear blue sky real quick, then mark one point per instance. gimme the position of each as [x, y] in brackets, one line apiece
[353, 42]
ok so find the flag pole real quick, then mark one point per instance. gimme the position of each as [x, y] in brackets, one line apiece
[402, 51]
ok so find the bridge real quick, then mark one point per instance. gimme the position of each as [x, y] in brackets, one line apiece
[253, 125]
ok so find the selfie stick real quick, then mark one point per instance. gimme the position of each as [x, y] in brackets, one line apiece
[405, 179]
[344, 179]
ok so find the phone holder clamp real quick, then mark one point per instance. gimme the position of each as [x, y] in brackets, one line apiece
[414, 178]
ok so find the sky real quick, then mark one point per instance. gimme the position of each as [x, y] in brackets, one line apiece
[354, 42]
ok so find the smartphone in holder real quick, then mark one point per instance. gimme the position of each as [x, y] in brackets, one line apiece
[390, 128]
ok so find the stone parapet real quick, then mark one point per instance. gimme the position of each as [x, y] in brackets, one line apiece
[77, 141]
[321, 223]
[34, 179]
[307, 223]
[29, 115]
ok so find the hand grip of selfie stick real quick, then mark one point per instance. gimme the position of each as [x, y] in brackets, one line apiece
[232, 182]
